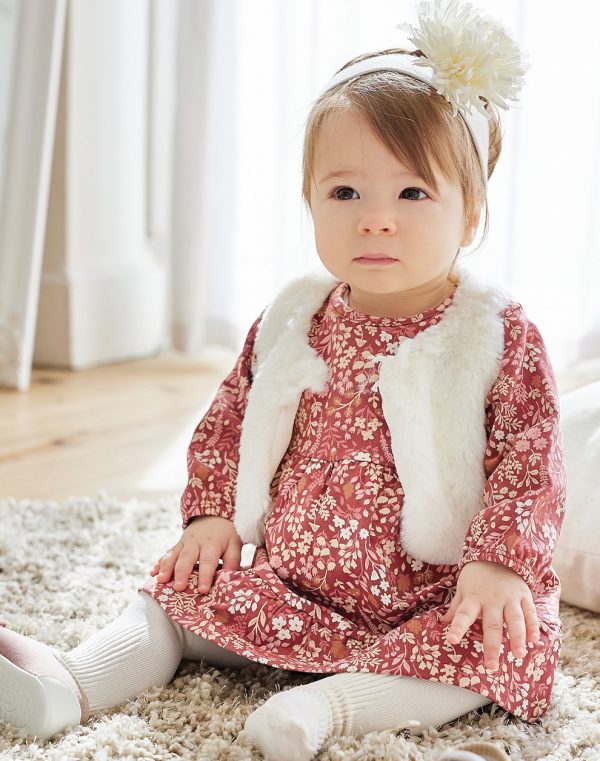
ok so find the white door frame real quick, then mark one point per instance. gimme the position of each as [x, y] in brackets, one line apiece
[30, 128]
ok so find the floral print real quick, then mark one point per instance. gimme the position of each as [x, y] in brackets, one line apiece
[332, 589]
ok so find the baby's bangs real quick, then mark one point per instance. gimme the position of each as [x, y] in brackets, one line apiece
[415, 127]
[410, 119]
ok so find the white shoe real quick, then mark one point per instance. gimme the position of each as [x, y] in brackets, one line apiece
[38, 694]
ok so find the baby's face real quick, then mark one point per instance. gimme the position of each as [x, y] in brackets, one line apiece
[380, 207]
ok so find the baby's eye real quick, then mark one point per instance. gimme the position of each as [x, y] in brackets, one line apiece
[334, 192]
[345, 189]
[414, 190]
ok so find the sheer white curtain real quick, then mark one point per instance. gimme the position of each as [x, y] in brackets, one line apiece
[247, 75]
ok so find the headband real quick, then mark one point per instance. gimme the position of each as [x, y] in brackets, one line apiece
[466, 55]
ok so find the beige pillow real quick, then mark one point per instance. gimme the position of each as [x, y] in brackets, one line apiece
[577, 553]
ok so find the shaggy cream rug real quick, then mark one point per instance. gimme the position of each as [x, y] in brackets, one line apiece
[67, 569]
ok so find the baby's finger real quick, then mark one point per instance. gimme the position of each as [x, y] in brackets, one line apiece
[185, 562]
[467, 612]
[209, 559]
[449, 614]
[493, 625]
[167, 562]
[513, 615]
[532, 623]
[232, 557]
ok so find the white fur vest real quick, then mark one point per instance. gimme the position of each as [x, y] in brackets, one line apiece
[433, 394]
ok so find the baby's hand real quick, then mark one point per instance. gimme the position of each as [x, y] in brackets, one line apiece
[497, 594]
[207, 538]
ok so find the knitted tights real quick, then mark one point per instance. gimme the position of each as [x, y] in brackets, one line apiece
[143, 647]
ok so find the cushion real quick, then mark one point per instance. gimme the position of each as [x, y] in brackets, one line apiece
[577, 552]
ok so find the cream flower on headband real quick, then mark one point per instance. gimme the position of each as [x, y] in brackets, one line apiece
[470, 55]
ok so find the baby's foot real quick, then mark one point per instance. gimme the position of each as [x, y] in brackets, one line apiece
[292, 724]
[38, 694]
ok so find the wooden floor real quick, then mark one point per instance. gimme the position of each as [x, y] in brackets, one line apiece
[123, 428]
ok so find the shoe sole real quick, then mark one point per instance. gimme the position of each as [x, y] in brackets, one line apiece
[26, 701]
[22, 699]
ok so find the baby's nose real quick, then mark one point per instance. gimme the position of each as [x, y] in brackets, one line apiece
[377, 222]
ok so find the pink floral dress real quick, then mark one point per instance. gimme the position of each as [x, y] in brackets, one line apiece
[332, 589]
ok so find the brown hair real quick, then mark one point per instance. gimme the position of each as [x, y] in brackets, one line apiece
[393, 103]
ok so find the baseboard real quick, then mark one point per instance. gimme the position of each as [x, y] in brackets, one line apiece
[88, 321]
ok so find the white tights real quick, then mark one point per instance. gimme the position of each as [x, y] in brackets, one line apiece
[143, 647]
[140, 649]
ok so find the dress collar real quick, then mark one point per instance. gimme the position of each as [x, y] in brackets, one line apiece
[338, 305]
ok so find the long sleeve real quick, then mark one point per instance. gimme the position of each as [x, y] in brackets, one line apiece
[524, 494]
[213, 453]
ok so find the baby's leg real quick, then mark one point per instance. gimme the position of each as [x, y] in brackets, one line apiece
[45, 690]
[196, 648]
[142, 648]
[294, 723]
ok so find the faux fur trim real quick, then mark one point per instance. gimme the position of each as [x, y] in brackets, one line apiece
[285, 365]
[433, 394]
